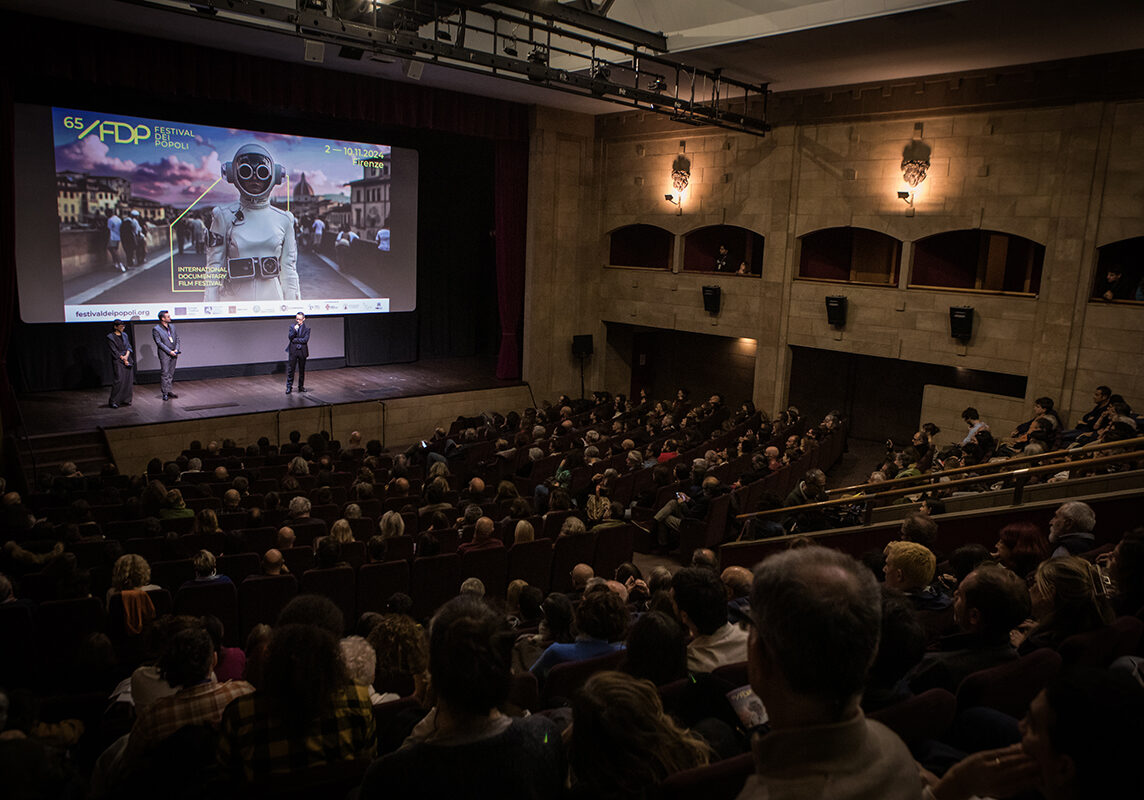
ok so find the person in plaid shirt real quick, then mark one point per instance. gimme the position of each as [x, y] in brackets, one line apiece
[187, 662]
[306, 714]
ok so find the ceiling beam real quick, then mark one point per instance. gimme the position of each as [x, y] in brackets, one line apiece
[592, 21]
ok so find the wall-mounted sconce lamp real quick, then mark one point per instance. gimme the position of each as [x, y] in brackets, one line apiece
[915, 165]
[680, 178]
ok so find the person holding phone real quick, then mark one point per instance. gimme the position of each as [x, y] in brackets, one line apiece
[298, 350]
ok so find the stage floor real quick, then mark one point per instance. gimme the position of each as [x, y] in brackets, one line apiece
[87, 410]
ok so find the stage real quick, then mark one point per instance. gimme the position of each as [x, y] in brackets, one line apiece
[397, 404]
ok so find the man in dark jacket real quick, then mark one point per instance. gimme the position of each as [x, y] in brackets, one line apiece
[298, 350]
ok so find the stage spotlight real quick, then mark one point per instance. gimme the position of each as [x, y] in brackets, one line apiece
[539, 57]
[658, 84]
[444, 36]
[510, 49]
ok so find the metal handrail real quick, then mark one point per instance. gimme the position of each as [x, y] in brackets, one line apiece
[1067, 454]
[1020, 475]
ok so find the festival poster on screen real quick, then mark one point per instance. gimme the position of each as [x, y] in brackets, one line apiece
[212, 222]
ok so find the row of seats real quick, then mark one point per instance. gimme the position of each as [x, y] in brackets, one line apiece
[59, 626]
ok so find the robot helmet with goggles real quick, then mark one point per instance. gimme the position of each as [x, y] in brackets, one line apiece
[253, 172]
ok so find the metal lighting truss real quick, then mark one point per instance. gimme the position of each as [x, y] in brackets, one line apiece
[569, 47]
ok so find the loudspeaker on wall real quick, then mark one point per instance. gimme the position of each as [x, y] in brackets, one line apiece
[836, 310]
[961, 322]
[582, 345]
[712, 299]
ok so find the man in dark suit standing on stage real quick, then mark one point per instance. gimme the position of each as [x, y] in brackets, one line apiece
[120, 347]
[167, 344]
[298, 350]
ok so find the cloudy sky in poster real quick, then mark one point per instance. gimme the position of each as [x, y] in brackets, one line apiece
[174, 162]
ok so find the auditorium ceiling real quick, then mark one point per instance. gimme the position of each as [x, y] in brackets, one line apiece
[790, 45]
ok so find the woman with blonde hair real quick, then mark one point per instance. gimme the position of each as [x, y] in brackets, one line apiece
[390, 525]
[1066, 601]
[623, 743]
[524, 532]
[341, 532]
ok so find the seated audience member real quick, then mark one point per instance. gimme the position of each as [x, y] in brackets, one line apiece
[376, 550]
[623, 744]
[307, 713]
[656, 649]
[132, 573]
[910, 569]
[300, 518]
[705, 558]
[811, 489]
[187, 664]
[488, 754]
[341, 532]
[361, 664]
[473, 586]
[435, 498]
[1080, 739]
[390, 525]
[286, 538]
[230, 661]
[273, 563]
[232, 501]
[963, 561]
[702, 602]
[600, 622]
[402, 655]
[1087, 424]
[816, 619]
[919, 528]
[1124, 567]
[174, 506]
[523, 532]
[206, 521]
[328, 553]
[206, 570]
[977, 427]
[529, 615]
[1064, 602]
[988, 604]
[1021, 547]
[581, 574]
[483, 538]
[901, 646]
[573, 526]
[554, 627]
[1070, 530]
[670, 517]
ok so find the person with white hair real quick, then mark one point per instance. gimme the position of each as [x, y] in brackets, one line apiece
[361, 664]
[1070, 530]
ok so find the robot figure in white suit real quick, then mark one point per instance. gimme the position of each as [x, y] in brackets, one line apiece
[251, 243]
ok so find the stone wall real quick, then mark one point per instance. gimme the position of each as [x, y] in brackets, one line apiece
[1069, 177]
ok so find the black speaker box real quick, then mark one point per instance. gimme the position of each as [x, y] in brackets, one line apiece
[836, 311]
[961, 322]
[582, 345]
[712, 299]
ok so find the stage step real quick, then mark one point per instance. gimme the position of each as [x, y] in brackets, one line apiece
[88, 451]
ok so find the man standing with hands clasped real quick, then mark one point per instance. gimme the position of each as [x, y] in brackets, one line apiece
[120, 347]
[167, 343]
[298, 350]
